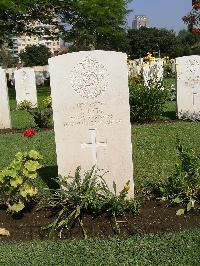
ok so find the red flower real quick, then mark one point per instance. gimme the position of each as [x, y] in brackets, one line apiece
[29, 132]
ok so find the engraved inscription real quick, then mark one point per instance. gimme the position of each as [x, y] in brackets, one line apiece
[89, 78]
[88, 115]
[192, 65]
[192, 81]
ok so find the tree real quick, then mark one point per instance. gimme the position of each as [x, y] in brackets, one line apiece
[35, 55]
[146, 40]
[20, 17]
[189, 43]
[193, 18]
[97, 23]
[6, 59]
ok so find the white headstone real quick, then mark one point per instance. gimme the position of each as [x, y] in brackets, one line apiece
[146, 73]
[90, 99]
[188, 86]
[25, 85]
[4, 102]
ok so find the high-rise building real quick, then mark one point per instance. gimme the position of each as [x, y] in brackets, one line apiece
[20, 42]
[140, 21]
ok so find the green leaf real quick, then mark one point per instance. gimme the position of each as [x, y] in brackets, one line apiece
[16, 207]
[19, 156]
[18, 180]
[2, 176]
[11, 173]
[32, 166]
[177, 200]
[29, 174]
[180, 212]
[190, 204]
[28, 190]
[34, 155]
[114, 187]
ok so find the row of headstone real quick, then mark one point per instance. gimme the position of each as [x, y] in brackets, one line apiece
[25, 90]
[41, 74]
[90, 100]
[151, 72]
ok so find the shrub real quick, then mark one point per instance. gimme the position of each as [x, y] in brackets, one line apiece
[35, 55]
[47, 102]
[41, 117]
[183, 187]
[25, 105]
[16, 180]
[147, 102]
[86, 194]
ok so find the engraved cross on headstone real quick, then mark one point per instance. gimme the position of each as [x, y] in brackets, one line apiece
[195, 98]
[94, 145]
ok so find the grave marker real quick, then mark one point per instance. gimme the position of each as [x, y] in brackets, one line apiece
[188, 86]
[90, 100]
[4, 102]
[25, 85]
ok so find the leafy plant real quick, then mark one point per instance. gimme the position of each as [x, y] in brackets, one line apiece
[47, 102]
[183, 187]
[35, 55]
[79, 195]
[41, 116]
[17, 180]
[25, 105]
[147, 102]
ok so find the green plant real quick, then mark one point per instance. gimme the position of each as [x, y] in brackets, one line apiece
[41, 116]
[47, 102]
[183, 187]
[35, 55]
[119, 204]
[79, 195]
[17, 180]
[25, 105]
[147, 102]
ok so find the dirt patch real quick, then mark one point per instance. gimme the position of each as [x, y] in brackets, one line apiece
[153, 218]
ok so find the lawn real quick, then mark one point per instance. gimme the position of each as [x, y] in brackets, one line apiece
[154, 145]
[154, 157]
[167, 249]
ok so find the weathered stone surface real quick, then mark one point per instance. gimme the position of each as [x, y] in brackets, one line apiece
[91, 114]
[4, 102]
[25, 85]
[188, 86]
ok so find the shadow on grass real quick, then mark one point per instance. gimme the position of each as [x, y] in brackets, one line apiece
[170, 114]
[49, 174]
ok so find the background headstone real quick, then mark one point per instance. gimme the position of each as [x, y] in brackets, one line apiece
[4, 102]
[90, 100]
[188, 86]
[25, 85]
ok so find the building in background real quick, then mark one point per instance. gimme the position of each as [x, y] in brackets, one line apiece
[140, 21]
[20, 42]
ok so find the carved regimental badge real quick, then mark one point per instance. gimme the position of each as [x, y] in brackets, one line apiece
[89, 78]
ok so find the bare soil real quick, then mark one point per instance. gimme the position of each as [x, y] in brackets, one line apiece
[153, 218]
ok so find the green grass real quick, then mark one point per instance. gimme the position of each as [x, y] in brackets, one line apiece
[157, 250]
[154, 156]
[154, 148]
[22, 119]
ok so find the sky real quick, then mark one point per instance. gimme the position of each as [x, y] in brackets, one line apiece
[162, 13]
